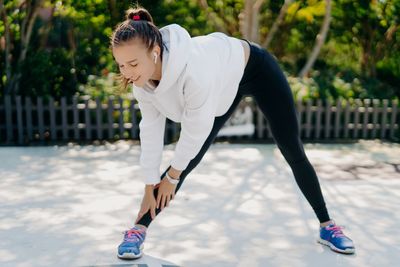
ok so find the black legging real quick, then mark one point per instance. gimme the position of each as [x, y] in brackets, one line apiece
[264, 80]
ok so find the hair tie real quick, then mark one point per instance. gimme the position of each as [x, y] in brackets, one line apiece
[136, 17]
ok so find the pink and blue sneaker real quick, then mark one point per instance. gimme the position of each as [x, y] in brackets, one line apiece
[333, 237]
[132, 246]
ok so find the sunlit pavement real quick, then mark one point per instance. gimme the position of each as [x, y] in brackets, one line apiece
[68, 206]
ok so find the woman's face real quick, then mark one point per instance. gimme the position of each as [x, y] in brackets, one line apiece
[135, 63]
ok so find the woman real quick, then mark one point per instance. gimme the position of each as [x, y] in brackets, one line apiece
[199, 82]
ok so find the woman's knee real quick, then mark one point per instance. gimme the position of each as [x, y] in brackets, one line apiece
[292, 150]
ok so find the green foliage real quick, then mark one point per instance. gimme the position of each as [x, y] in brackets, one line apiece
[48, 73]
[69, 53]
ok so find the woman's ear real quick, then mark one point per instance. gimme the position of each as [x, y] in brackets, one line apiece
[155, 57]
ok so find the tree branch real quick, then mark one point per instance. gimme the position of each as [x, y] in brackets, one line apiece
[277, 23]
[212, 16]
[319, 40]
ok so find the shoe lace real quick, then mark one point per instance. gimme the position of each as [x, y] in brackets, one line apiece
[336, 229]
[133, 235]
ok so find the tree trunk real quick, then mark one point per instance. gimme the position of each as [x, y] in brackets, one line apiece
[249, 20]
[319, 40]
[113, 11]
[7, 50]
[26, 32]
[255, 22]
[276, 23]
[212, 16]
[245, 18]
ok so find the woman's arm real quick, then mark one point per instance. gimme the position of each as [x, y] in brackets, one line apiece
[196, 124]
[152, 128]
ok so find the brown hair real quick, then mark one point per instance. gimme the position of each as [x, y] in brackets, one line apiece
[138, 23]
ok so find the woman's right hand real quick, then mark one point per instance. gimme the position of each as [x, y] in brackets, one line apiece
[148, 203]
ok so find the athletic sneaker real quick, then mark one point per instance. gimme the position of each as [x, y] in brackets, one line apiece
[333, 237]
[132, 246]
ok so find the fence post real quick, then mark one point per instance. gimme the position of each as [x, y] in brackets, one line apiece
[99, 120]
[337, 117]
[133, 118]
[64, 118]
[53, 130]
[347, 119]
[76, 117]
[110, 110]
[328, 119]
[356, 118]
[376, 105]
[8, 111]
[121, 118]
[393, 119]
[318, 126]
[28, 115]
[308, 118]
[260, 124]
[87, 119]
[365, 118]
[384, 118]
[40, 117]
[19, 119]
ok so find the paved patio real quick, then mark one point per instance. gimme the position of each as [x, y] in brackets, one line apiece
[68, 205]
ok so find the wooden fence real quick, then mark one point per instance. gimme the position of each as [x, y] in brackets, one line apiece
[24, 120]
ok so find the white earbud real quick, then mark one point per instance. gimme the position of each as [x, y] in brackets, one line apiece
[155, 57]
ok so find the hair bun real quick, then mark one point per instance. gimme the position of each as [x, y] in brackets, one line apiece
[141, 12]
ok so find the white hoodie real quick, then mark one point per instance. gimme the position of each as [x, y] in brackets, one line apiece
[199, 81]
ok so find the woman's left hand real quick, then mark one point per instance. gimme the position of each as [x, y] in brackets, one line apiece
[166, 193]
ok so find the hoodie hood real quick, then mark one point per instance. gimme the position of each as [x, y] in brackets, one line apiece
[176, 42]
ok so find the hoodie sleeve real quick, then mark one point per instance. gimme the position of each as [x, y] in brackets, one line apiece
[152, 128]
[196, 124]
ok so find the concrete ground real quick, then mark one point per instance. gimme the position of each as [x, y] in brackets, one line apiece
[68, 206]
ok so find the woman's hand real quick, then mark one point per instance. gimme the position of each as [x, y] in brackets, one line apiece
[148, 202]
[166, 192]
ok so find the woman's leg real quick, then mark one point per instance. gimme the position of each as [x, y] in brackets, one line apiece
[218, 123]
[273, 95]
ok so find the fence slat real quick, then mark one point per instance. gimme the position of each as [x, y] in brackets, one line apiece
[40, 117]
[99, 120]
[121, 118]
[337, 117]
[376, 104]
[328, 119]
[19, 119]
[384, 118]
[88, 127]
[8, 111]
[318, 122]
[133, 119]
[110, 110]
[356, 118]
[260, 123]
[64, 118]
[393, 119]
[308, 118]
[53, 130]
[76, 117]
[28, 116]
[365, 118]
[347, 119]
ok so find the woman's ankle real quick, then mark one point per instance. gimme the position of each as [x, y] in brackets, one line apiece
[141, 226]
[323, 224]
